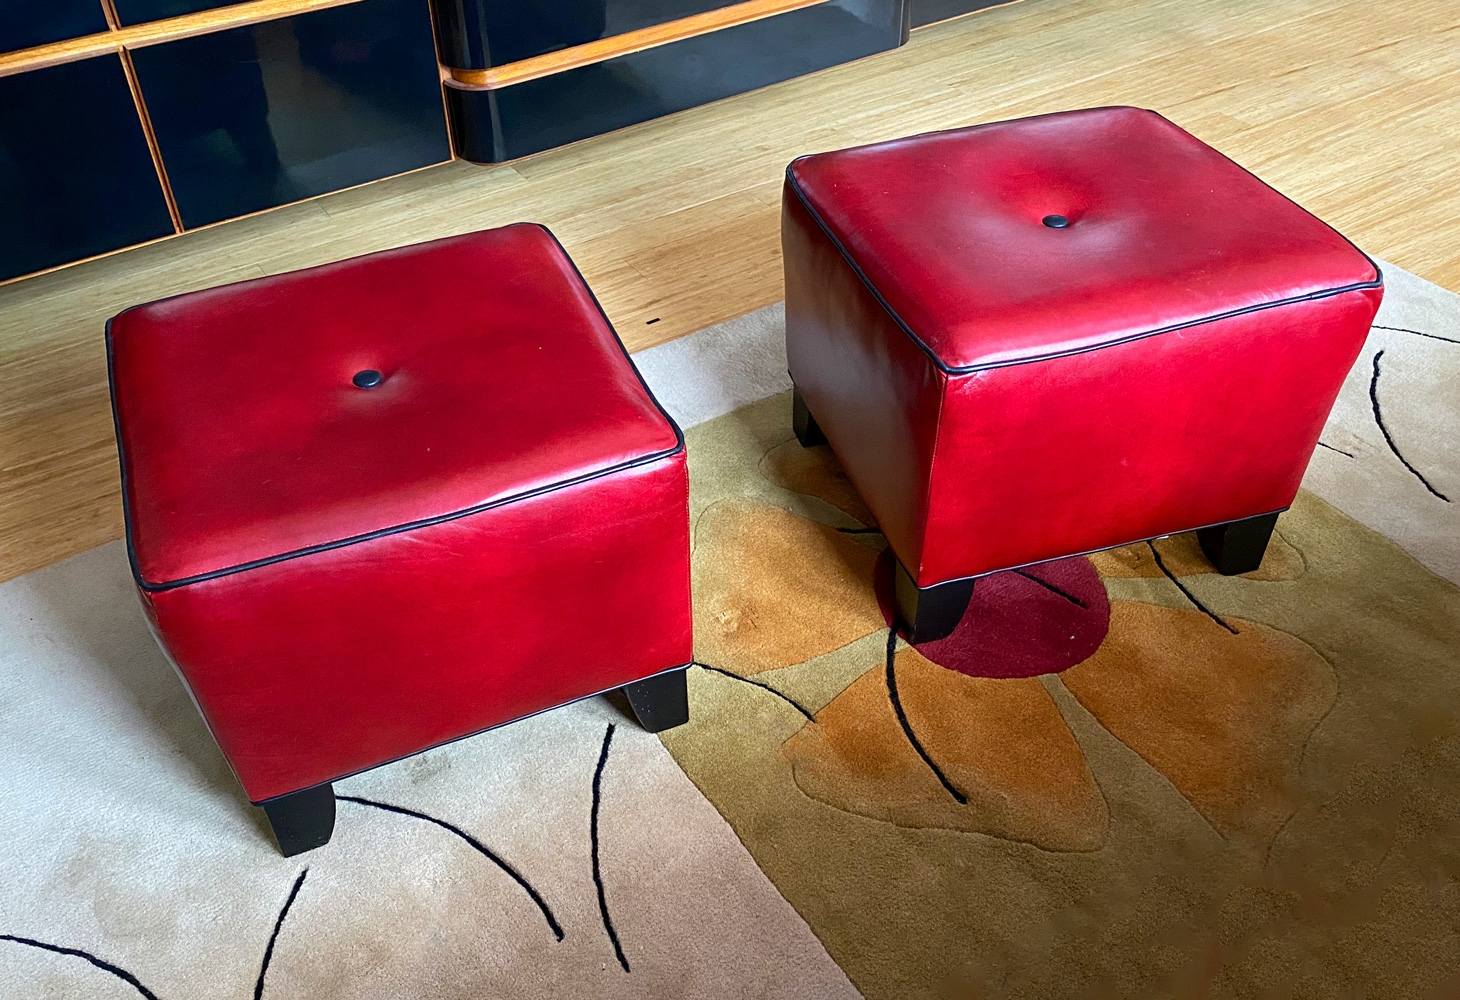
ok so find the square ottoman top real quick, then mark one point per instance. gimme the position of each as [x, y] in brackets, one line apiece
[245, 437]
[1028, 239]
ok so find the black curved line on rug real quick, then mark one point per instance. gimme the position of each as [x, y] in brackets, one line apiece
[1379, 419]
[101, 964]
[258, 987]
[481, 849]
[1417, 333]
[907, 729]
[593, 839]
[763, 686]
[1050, 587]
[1189, 595]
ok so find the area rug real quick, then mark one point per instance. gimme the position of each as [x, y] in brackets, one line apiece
[1122, 775]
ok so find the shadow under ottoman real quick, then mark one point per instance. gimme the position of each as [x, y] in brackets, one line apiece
[383, 504]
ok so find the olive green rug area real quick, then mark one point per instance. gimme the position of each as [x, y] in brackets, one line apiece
[1129, 777]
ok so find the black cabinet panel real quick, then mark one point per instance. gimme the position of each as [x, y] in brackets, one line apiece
[259, 116]
[933, 11]
[476, 34]
[509, 122]
[24, 23]
[76, 178]
[142, 11]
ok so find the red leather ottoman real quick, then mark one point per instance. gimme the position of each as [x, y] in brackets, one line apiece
[1040, 338]
[386, 503]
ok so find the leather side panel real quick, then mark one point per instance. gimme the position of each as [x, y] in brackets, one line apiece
[874, 392]
[1198, 426]
[316, 667]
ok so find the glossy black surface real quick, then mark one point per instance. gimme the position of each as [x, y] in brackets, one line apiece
[140, 11]
[259, 116]
[1238, 546]
[76, 178]
[933, 11]
[24, 23]
[927, 614]
[502, 124]
[475, 34]
[660, 702]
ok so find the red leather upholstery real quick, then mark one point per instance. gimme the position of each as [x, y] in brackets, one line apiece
[347, 575]
[1004, 392]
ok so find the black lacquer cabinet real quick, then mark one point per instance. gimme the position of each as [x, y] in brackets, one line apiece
[141, 11]
[27, 23]
[925, 12]
[126, 121]
[476, 34]
[60, 200]
[271, 113]
[505, 122]
[157, 127]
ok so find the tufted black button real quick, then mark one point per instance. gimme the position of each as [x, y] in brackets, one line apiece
[1056, 221]
[368, 379]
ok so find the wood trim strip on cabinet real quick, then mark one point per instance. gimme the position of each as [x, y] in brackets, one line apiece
[138, 35]
[621, 45]
[151, 137]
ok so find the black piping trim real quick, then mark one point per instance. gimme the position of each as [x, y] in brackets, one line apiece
[1377, 282]
[1091, 552]
[153, 588]
[475, 732]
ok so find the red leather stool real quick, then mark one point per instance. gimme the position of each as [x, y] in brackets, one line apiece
[1040, 338]
[382, 504]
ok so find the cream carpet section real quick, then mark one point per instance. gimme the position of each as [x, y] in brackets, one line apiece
[126, 837]
[1391, 452]
[710, 373]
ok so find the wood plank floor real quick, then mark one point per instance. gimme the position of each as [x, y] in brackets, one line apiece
[1347, 105]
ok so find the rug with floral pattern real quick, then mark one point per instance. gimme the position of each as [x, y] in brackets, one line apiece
[1122, 775]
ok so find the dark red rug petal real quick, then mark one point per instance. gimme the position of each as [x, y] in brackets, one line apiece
[1038, 620]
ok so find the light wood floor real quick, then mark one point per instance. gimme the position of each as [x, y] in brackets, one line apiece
[1349, 106]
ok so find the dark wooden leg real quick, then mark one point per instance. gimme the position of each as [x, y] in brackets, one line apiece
[302, 820]
[660, 702]
[1237, 546]
[928, 613]
[803, 423]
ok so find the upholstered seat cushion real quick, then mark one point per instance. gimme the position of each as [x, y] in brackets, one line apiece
[244, 438]
[385, 503]
[1043, 337]
[1162, 232]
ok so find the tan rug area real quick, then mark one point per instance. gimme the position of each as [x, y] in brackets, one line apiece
[1123, 776]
